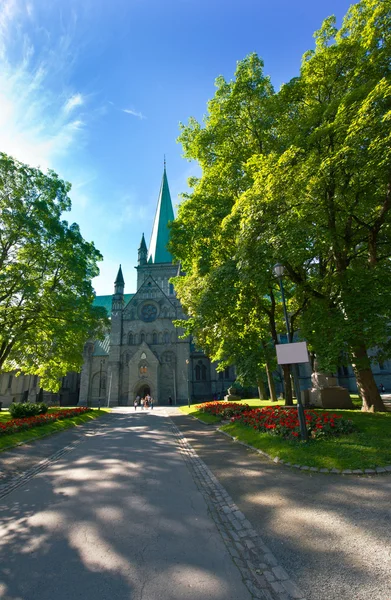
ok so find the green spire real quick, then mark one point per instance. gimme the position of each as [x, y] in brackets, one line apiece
[158, 252]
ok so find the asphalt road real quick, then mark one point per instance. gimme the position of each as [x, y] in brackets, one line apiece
[117, 516]
[331, 533]
[120, 514]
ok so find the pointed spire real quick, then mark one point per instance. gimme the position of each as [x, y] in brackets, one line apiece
[143, 245]
[120, 277]
[142, 252]
[119, 283]
[158, 252]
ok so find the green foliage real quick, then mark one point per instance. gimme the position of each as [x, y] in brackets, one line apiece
[46, 267]
[27, 409]
[301, 177]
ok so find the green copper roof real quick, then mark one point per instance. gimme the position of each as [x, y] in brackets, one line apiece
[102, 347]
[158, 252]
[105, 301]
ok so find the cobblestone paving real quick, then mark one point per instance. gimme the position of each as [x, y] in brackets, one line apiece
[261, 573]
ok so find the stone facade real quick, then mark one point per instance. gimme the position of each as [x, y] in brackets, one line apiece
[143, 352]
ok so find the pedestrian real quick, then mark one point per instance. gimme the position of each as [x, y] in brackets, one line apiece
[142, 403]
[151, 403]
[170, 400]
[135, 404]
[146, 402]
[382, 388]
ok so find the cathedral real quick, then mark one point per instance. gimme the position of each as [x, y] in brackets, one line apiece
[143, 352]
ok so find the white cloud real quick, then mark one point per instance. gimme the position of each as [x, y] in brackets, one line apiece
[36, 126]
[135, 113]
[73, 102]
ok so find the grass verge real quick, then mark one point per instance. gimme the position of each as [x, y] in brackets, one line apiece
[13, 439]
[367, 448]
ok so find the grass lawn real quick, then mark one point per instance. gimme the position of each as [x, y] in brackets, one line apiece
[367, 448]
[13, 439]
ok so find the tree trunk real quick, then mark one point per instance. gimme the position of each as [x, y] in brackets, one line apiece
[367, 388]
[261, 389]
[272, 385]
[287, 385]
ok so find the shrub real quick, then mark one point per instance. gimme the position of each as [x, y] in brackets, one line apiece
[27, 409]
[42, 408]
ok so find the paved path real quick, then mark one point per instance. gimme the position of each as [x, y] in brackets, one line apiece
[331, 533]
[127, 510]
[141, 506]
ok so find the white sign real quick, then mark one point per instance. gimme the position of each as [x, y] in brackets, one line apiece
[290, 354]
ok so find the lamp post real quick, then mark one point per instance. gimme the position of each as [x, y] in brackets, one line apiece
[188, 381]
[279, 273]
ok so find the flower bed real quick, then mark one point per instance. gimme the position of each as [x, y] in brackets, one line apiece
[284, 422]
[225, 410]
[17, 425]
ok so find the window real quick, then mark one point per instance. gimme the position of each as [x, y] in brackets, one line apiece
[9, 382]
[166, 337]
[154, 338]
[200, 371]
[130, 339]
[171, 289]
[142, 338]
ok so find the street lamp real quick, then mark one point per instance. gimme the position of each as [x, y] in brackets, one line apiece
[188, 381]
[279, 270]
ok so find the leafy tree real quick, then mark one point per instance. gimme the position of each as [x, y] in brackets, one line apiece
[300, 177]
[238, 124]
[46, 311]
[322, 205]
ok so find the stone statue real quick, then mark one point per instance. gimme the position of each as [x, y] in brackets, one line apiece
[232, 395]
[325, 391]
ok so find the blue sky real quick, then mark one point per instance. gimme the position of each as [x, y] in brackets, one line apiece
[95, 89]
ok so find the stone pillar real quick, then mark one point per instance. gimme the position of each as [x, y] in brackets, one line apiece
[85, 376]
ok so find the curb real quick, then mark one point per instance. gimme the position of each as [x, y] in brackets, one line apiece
[277, 460]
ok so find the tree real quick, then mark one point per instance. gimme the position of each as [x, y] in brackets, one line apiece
[46, 267]
[302, 177]
[322, 205]
[238, 124]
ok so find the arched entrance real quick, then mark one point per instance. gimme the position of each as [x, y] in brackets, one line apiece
[143, 390]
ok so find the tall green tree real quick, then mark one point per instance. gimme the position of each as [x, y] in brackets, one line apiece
[46, 267]
[238, 124]
[322, 205]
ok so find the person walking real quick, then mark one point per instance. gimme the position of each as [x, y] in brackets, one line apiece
[151, 403]
[135, 404]
[170, 400]
[142, 403]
